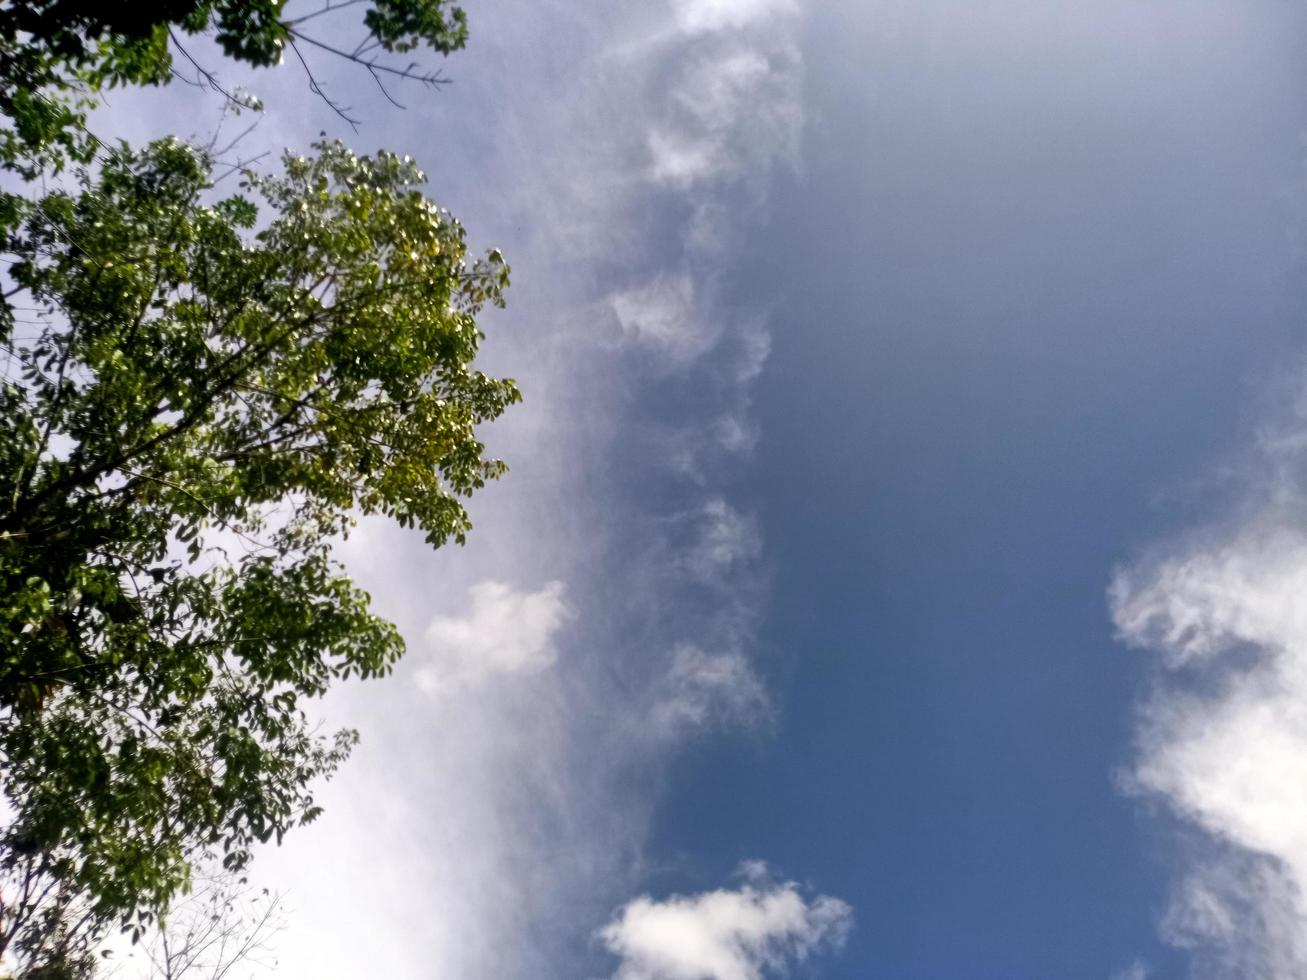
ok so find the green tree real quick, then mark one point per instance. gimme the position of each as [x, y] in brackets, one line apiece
[56, 54]
[197, 395]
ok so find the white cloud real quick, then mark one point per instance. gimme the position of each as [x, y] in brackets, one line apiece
[706, 690]
[682, 158]
[1232, 758]
[732, 112]
[1222, 739]
[755, 348]
[1200, 604]
[661, 316]
[1135, 971]
[760, 929]
[714, 15]
[735, 434]
[505, 632]
[726, 539]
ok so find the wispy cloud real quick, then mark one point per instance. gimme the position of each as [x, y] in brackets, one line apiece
[504, 632]
[715, 15]
[728, 112]
[762, 928]
[1135, 971]
[660, 317]
[705, 690]
[1222, 739]
[725, 539]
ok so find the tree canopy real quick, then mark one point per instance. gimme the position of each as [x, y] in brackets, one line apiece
[55, 54]
[197, 394]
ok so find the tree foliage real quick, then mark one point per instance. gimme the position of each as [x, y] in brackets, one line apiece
[55, 54]
[198, 394]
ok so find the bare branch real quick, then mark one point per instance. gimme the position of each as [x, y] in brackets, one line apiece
[384, 91]
[239, 167]
[222, 926]
[210, 79]
[317, 89]
[408, 73]
[233, 143]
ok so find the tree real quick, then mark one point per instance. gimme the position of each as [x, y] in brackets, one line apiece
[223, 924]
[197, 395]
[55, 54]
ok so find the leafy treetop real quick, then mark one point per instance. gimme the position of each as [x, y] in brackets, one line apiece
[196, 396]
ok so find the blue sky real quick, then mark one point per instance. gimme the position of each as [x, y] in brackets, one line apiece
[1044, 301]
[897, 576]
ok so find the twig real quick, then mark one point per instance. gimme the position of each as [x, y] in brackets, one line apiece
[317, 90]
[232, 145]
[432, 78]
[240, 166]
[204, 73]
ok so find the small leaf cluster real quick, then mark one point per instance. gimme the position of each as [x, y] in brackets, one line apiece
[199, 395]
[403, 25]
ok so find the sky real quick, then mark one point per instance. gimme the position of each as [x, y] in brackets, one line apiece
[898, 572]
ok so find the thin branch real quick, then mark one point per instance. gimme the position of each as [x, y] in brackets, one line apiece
[369, 43]
[232, 145]
[209, 78]
[240, 166]
[384, 91]
[195, 82]
[317, 89]
[409, 73]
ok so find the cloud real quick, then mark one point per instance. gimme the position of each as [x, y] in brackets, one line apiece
[696, 16]
[763, 928]
[505, 632]
[726, 539]
[708, 690]
[731, 113]
[1135, 971]
[1221, 741]
[660, 316]
[735, 434]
